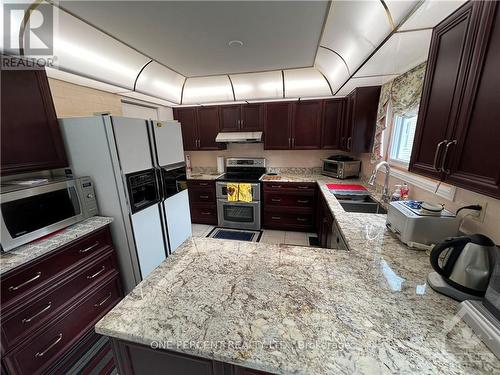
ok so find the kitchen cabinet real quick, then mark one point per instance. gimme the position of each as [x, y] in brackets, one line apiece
[325, 222]
[245, 117]
[331, 123]
[360, 118]
[200, 126]
[202, 201]
[30, 135]
[277, 125]
[289, 206]
[455, 139]
[306, 125]
[51, 304]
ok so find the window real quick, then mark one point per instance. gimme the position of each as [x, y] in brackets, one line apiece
[403, 132]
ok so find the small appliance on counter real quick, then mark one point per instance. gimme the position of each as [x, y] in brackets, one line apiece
[413, 224]
[462, 266]
[33, 210]
[341, 166]
[484, 316]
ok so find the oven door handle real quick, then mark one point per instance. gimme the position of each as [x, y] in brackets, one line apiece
[253, 203]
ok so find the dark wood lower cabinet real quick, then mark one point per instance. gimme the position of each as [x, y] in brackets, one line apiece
[134, 359]
[45, 318]
[202, 201]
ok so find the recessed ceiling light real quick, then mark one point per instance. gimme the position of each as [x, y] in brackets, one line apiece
[235, 43]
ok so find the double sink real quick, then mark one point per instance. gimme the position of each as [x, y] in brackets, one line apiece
[359, 202]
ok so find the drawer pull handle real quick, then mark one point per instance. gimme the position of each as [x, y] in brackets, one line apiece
[276, 186]
[41, 354]
[90, 277]
[204, 196]
[276, 200]
[13, 288]
[28, 320]
[301, 219]
[276, 217]
[103, 301]
[206, 213]
[203, 184]
[303, 187]
[83, 251]
[302, 201]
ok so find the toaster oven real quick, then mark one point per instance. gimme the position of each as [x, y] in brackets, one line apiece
[341, 169]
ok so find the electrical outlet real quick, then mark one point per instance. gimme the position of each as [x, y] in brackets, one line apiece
[479, 215]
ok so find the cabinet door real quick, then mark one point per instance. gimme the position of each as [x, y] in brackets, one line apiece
[30, 135]
[331, 127]
[189, 127]
[230, 118]
[346, 129]
[251, 117]
[306, 131]
[277, 126]
[450, 44]
[208, 127]
[473, 162]
[363, 119]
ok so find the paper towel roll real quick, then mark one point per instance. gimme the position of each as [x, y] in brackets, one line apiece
[220, 164]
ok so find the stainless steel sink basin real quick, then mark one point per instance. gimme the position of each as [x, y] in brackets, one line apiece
[360, 203]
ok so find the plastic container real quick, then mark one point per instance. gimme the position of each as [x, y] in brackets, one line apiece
[396, 195]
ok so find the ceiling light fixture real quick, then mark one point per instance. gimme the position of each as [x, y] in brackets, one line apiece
[235, 43]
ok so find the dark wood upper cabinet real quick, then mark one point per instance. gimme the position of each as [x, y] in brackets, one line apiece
[189, 126]
[245, 117]
[460, 96]
[331, 127]
[451, 42]
[208, 127]
[306, 125]
[277, 125]
[230, 118]
[360, 119]
[200, 126]
[31, 139]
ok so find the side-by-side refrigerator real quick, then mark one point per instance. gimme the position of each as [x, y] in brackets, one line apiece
[139, 177]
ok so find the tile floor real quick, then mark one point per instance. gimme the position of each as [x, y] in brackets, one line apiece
[268, 236]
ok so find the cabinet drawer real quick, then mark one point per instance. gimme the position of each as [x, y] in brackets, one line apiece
[201, 184]
[34, 313]
[280, 199]
[37, 354]
[204, 214]
[199, 195]
[289, 186]
[288, 220]
[30, 277]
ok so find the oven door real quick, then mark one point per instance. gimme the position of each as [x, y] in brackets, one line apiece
[221, 190]
[331, 168]
[240, 215]
[32, 213]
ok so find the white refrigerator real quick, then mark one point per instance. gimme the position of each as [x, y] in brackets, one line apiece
[138, 171]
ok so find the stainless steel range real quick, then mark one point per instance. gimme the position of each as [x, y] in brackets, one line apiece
[240, 215]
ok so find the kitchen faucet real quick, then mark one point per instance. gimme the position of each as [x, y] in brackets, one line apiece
[371, 181]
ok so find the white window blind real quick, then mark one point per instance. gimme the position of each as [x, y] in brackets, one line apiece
[403, 133]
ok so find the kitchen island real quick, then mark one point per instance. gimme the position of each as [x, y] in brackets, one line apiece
[223, 307]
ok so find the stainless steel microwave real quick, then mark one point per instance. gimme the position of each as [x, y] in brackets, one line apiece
[28, 213]
[341, 169]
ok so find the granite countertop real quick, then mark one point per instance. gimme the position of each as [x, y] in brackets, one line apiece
[25, 253]
[203, 175]
[300, 310]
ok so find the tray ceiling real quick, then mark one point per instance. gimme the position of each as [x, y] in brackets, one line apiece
[192, 37]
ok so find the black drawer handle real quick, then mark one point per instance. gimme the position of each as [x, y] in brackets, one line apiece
[303, 187]
[301, 201]
[276, 200]
[276, 217]
[206, 213]
[203, 184]
[14, 288]
[276, 186]
[83, 251]
[301, 219]
[103, 301]
[41, 354]
[204, 196]
[28, 320]
[90, 277]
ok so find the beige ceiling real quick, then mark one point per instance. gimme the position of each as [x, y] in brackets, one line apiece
[192, 37]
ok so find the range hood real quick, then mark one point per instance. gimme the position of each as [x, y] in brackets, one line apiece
[239, 137]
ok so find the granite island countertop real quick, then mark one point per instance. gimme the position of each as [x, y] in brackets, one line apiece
[30, 251]
[301, 310]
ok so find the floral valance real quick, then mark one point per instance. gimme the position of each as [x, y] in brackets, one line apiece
[403, 95]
